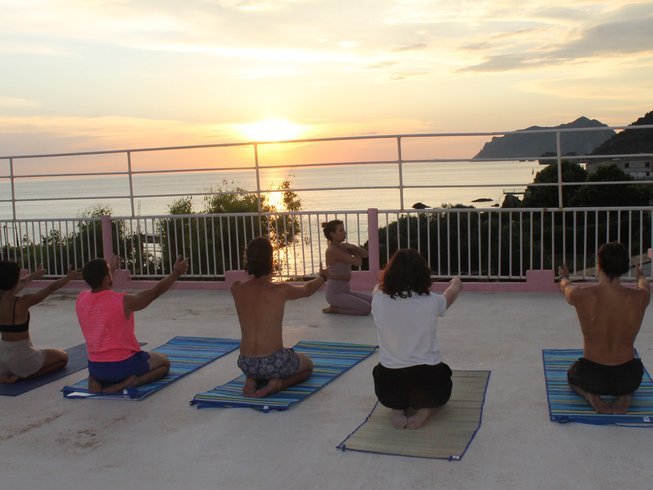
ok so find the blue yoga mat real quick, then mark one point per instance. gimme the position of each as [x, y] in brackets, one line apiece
[566, 406]
[330, 360]
[186, 354]
[77, 361]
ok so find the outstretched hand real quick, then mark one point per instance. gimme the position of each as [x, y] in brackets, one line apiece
[324, 272]
[38, 273]
[73, 273]
[115, 263]
[638, 272]
[563, 271]
[181, 265]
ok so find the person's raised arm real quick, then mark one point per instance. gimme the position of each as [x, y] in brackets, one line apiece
[308, 288]
[24, 281]
[138, 301]
[565, 283]
[643, 284]
[35, 298]
[355, 250]
[340, 253]
[454, 289]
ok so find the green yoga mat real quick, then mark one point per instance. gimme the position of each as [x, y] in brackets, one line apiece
[446, 435]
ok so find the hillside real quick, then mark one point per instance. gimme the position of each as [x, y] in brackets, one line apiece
[630, 141]
[524, 146]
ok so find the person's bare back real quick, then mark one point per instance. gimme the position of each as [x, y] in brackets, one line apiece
[260, 307]
[268, 366]
[610, 317]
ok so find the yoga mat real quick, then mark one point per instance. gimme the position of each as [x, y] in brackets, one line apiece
[446, 434]
[567, 406]
[77, 361]
[330, 360]
[186, 354]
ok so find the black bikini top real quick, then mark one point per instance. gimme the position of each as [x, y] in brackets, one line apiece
[13, 328]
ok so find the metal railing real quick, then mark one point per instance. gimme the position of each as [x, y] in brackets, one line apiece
[476, 244]
[252, 159]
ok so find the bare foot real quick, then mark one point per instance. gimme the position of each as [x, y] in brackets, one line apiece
[94, 386]
[329, 309]
[125, 383]
[9, 378]
[620, 404]
[598, 404]
[420, 417]
[249, 388]
[595, 401]
[274, 385]
[399, 419]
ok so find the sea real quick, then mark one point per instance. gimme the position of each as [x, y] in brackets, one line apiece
[320, 188]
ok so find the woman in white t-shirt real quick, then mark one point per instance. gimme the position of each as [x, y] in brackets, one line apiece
[411, 378]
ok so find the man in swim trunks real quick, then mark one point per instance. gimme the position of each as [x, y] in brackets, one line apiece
[260, 303]
[610, 317]
[115, 358]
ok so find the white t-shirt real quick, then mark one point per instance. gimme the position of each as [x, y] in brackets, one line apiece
[407, 328]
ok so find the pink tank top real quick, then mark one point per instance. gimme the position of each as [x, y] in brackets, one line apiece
[109, 335]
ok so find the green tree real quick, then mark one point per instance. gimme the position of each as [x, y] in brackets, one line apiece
[547, 197]
[215, 243]
[610, 195]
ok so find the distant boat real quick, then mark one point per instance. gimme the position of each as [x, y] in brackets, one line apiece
[483, 199]
[420, 205]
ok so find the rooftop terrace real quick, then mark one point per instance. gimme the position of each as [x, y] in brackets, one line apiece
[162, 442]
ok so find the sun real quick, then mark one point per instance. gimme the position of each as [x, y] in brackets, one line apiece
[272, 130]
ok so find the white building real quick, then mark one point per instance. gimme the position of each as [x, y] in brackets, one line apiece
[636, 167]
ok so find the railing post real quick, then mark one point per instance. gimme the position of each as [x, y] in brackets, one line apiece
[107, 238]
[373, 241]
[131, 182]
[12, 181]
[401, 174]
[559, 153]
[258, 177]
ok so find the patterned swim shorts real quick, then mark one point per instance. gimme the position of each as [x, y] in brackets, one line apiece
[281, 364]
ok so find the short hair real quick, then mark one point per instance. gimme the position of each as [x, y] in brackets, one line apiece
[9, 274]
[406, 273]
[94, 272]
[259, 257]
[329, 227]
[613, 259]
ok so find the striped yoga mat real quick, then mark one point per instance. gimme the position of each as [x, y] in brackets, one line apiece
[330, 359]
[566, 406]
[446, 434]
[186, 354]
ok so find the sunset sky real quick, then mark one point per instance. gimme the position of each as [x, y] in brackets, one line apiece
[93, 74]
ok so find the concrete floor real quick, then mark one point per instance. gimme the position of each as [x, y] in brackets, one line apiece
[49, 442]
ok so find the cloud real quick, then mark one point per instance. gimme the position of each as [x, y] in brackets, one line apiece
[630, 37]
[33, 135]
[253, 5]
[411, 47]
[15, 102]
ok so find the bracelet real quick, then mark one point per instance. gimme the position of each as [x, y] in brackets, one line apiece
[324, 277]
[178, 273]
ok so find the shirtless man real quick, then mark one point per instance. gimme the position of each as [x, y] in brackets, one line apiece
[610, 317]
[106, 318]
[260, 305]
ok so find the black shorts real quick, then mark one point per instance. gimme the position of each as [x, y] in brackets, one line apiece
[600, 379]
[416, 387]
